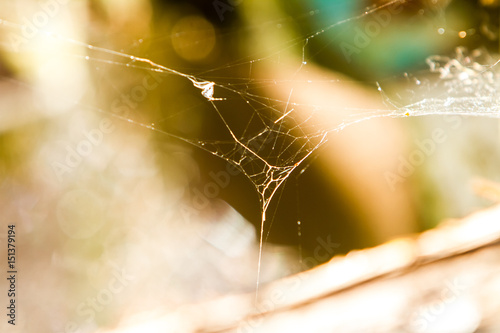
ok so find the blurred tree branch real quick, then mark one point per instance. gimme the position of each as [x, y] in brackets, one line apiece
[443, 280]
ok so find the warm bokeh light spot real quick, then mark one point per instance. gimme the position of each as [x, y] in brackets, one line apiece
[193, 38]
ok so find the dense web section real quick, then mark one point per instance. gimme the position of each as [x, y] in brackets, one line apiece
[275, 141]
[465, 83]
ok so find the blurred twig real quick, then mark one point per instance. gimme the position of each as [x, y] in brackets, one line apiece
[443, 280]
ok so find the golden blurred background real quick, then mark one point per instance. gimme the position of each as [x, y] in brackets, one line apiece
[117, 172]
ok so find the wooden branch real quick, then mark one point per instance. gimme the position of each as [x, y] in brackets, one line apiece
[443, 280]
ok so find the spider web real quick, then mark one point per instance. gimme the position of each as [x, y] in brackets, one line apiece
[275, 141]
